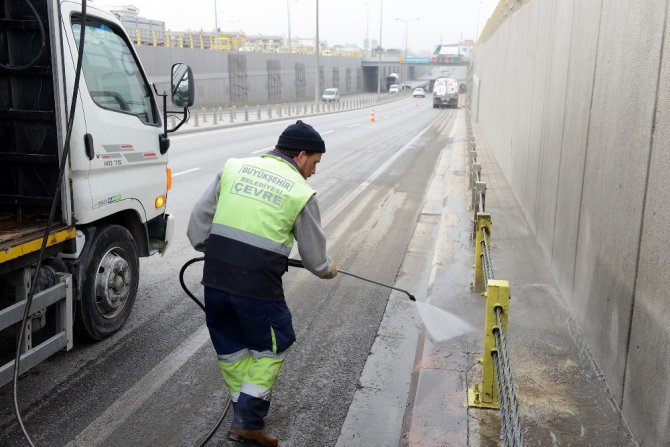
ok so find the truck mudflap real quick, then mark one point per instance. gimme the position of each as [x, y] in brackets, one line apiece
[60, 297]
[161, 231]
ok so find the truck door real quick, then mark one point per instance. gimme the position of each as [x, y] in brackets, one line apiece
[125, 167]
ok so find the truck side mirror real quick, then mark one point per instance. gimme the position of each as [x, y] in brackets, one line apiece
[182, 89]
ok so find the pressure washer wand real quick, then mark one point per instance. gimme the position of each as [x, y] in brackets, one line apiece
[298, 263]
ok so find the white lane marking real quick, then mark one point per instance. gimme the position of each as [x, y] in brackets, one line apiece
[112, 418]
[354, 125]
[327, 132]
[346, 201]
[267, 149]
[188, 171]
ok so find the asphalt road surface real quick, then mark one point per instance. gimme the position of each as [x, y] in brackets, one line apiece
[156, 382]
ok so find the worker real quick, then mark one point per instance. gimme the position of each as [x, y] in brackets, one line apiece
[246, 222]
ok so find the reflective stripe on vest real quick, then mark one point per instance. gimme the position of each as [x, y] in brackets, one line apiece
[259, 201]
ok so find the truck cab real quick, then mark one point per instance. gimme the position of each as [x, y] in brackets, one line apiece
[111, 203]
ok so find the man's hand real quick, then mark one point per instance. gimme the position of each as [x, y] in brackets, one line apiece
[333, 271]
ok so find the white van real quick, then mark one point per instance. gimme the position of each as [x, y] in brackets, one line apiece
[331, 95]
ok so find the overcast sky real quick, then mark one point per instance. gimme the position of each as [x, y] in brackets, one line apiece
[340, 21]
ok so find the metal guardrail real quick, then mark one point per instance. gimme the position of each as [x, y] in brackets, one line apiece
[497, 389]
[214, 116]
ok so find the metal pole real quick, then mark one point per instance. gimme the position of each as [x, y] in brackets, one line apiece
[379, 65]
[216, 21]
[367, 29]
[288, 14]
[406, 33]
[406, 22]
[316, 83]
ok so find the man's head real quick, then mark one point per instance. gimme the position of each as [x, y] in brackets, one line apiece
[304, 145]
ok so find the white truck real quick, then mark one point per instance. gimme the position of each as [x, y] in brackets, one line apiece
[445, 93]
[112, 203]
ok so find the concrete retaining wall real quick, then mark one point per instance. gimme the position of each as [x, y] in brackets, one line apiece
[225, 79]
[573, 98]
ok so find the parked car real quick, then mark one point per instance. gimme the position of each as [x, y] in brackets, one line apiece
[395, 88]
[419, 93]
[331, 95]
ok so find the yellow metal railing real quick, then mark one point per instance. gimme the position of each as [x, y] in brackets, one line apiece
[228, 42]
[482, 235]
[485, 395]
[496, 389]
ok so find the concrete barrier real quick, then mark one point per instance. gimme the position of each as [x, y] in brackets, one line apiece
[572, 98]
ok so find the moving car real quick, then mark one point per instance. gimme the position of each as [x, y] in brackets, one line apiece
[419, 93]
[331, 95]
[395, 88]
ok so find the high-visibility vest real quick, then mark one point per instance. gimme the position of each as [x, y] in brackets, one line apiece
[262, 196]
[260, 199]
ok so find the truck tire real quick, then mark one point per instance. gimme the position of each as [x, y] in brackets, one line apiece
[110, 272]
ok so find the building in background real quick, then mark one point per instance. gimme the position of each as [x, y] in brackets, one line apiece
[140, 29]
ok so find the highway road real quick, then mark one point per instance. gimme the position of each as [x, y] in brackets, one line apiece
[156, 383]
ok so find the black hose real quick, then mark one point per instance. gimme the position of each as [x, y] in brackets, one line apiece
[47, 229]
[183, 284]
[202, 306]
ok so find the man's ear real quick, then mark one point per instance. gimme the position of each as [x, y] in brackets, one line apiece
[301, 157]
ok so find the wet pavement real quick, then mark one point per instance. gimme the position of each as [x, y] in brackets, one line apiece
[412, 391]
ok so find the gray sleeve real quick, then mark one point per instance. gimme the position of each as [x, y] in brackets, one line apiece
[311, 240]
[202, 215]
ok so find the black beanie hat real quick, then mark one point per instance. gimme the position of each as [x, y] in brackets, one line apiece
[301, 137]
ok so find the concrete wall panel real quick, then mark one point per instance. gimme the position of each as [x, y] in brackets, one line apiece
[211, 71]
[552, 125]
[646, 396]
[577, 148]
[579, 91]
[497, 124]
[527, 22]
[616, 170]
[544, 16]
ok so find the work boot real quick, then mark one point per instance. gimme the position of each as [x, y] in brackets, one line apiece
[252, 437]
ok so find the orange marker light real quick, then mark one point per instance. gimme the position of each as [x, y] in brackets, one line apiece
[159, 202]
[168, 171]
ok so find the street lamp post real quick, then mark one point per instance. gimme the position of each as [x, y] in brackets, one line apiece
[216, 20]
[288, 14]
[316, 83]
[367, 29]
[379, 64]
[406, 22]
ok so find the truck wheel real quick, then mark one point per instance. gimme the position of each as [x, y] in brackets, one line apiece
[110, 276]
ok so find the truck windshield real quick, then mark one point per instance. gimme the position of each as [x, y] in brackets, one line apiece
[112, 75]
